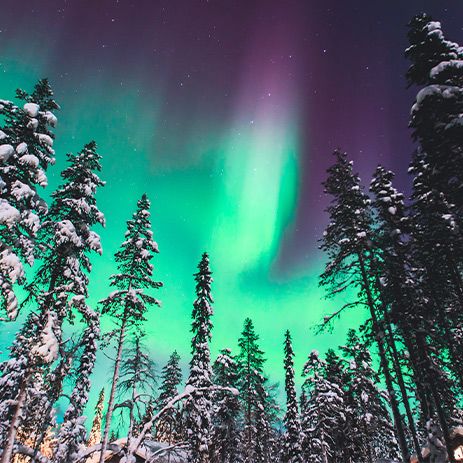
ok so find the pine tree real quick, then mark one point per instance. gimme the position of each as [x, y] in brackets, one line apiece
[198, 407]
[292, 452]
[128, 304]
[226, 436]
[168, 427]
[25, 152]
[95, 432]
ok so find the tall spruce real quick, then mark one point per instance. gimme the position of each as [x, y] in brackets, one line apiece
[292, 452]
[396, 282]
[130, 301]
[67, 239]
[198, 407]
[253, 394]
[347, 242]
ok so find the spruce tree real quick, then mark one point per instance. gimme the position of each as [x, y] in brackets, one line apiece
[66, 240]
[428, 48]
[226, 435]
[348, 242]
[253, 394]
[435, 238]
[375, 437]
[168, 427]
[436, 114]
[292, 452]
[129, 303]
[396, 282]
[323, 414]
[26, 151]
[198, 406]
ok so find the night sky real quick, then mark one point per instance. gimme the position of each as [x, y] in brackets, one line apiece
[225, 113]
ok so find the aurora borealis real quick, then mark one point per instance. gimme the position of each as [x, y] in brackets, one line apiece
[225, 113]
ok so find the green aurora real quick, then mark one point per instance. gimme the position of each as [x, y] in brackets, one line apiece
[233, 194]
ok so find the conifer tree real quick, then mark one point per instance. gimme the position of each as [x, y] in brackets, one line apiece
[292, 452]
[198, 406]
[348, 243]
[128, 304]
[253, 394]
[67, 238]
[26, 151]
[436, 114]
[375, 437]
[323, 414]
[428, 48]
[266, 441]
[168, 427]
[95, 431]
[226, 436]
[434, 237]
[396, 282]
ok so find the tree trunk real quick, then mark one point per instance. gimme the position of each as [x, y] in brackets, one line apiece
[112, 395]
[383, 359]
[132, 416]
[13, 429]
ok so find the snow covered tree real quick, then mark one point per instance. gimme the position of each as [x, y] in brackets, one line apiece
[128, 304]
[254, 395]
[292, 452]
[95, 431]
[435, 238]
[198, 406]
[267, 438]
[226, 435]
[348, 242]
[323, 414]
[375, 436]
[428, 48]
[66, 240]
[396, 282]
[436, 114]
[26, 151]
[168, 427]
